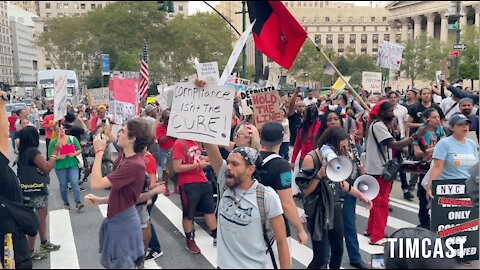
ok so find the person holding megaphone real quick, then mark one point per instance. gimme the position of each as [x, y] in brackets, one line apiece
[322, 191]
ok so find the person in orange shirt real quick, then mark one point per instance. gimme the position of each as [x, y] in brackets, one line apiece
[49, 125]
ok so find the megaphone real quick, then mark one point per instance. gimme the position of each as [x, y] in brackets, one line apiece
[339, 168]
[367, 185]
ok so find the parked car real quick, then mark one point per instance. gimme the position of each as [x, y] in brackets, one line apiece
[14, 107]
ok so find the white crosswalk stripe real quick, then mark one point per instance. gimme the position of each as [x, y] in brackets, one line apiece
[61, 233]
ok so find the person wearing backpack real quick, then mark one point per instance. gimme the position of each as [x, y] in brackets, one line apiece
[246, 209]
[276, 173]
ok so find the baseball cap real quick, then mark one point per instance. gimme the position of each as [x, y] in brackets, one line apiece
[458, 119]
[465, 100]
[271, 134]
[149, 108]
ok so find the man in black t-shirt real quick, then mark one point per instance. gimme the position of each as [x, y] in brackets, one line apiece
[415, 119]
[11, 191]
[276, 173]
[295, 115]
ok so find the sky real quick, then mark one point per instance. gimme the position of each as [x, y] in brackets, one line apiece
[195, 6]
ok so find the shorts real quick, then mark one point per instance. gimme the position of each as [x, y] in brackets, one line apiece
[197, 196]
[143, 215]
[161, 158]
[37, 202]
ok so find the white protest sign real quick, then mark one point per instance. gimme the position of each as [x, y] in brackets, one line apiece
[123, 112]
[389, 55]
[208, 72]
[372, 81]
[201, 114]
[235, 54]
[59, 102]
[238, 83]
[246, 98]
[438, 75]
[98, 96]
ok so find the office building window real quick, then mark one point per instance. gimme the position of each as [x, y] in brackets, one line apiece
[341, 28]
[327, 19]
[45, 28]
[310, 3]
[76, 6]
[321, 4]
[364, 38]
[82, 6]
[375, 29]
[364, 28]
[93, 6]
[65, 5]
[341, 39]
[353, 38]
[286, 4]
[299, 3]
[384, 19]
[316, 3]
[329, 29]
[318, 39]
[180, 7]
[398, 37]
[100, 6]
[47, 5]
[329, 39]
[386, 37]
[59, 6]
[375, 38]
[372, 19]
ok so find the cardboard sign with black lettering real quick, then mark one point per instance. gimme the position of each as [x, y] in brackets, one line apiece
[246, 98]
[266, 107]
[201, 114]
[454, 218]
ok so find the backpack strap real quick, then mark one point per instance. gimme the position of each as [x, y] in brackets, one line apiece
[185, 152]
[263, 216]
[270, 157]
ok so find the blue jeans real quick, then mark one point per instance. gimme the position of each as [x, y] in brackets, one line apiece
[284, 148]
[154, 243]
[65, 176]
[12, 136]
[349, 228]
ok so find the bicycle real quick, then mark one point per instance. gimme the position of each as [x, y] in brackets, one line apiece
[88, 158]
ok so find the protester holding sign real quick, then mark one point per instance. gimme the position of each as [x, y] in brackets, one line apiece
[455, 155]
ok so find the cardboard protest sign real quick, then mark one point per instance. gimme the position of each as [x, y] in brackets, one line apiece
[125, 99]
[372, 81]
[238, 83]
[444, 68]
[201, 114]
[389, 55]
[208, 72]
[340, 84]
[454, 218]
[235, 54]
[98, 96]
[266, 107]
[60, 100]
[246, 98]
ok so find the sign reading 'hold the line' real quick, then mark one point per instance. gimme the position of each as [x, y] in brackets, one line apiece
[266, 107]
[201, 114]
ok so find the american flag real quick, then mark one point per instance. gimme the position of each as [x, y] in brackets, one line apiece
[143, 86]
[329, 70]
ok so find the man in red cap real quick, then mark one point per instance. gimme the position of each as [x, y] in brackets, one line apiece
[380, 143]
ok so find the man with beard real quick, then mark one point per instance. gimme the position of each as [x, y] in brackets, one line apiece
[239, 215]
[411, 99]
[466, 108]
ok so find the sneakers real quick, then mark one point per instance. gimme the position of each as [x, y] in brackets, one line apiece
[167, 192]
[380, 242]
[36, 256]
[47, 247]
[192, 246]
[79, 206]
[408, 196]
[153, 254]
[66, 206]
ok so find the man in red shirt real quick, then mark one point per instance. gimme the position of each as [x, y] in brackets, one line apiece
[165, 144]
[11, 120]
[195, 190]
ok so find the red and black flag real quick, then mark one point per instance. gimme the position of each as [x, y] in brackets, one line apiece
[276, 32]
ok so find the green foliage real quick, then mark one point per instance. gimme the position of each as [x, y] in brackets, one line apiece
[469, 61]
[119, 30]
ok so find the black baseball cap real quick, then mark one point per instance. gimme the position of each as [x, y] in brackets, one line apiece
[271, 134]
[458, 119]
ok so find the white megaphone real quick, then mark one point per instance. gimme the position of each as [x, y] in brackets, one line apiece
[339, 168]
[367, 185]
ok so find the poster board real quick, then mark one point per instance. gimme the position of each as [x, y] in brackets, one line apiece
[454, 217]
[340, 84]
[372, 81]
[389, 55]
[208, 72]
[98, 96]
[201, 114]
[246, 98]
[238, 83]
[266, 107]
[60, 99]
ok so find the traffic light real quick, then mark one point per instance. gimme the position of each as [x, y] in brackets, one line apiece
[165, 6]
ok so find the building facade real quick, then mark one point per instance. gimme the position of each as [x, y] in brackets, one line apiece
[30, 6]
[409, 19]
[6, 61]
[23, 46]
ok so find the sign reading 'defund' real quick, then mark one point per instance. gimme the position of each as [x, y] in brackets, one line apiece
[201, 114]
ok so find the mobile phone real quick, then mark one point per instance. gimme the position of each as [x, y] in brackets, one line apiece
[378, 261]
[104, 121]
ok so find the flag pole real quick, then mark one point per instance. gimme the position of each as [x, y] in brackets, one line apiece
[350, 88]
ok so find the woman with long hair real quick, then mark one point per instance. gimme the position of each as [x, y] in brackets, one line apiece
[431, 132]
[327, 236]
[245, 135]
[66, 165]
[306, 134]
[31, 160]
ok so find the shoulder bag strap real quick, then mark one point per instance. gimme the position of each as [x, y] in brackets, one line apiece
[263, 216]
[451, 108]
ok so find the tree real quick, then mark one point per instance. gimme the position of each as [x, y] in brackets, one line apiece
[420, 58]
[469, 61]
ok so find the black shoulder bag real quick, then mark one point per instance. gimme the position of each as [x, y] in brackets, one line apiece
[24, 216]
[391, 167]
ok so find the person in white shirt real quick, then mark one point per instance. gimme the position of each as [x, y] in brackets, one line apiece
[310, 100]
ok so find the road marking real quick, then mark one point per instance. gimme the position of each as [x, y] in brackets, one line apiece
[391, 222]
[404, 207]
[150, 264]
[61, 233]
[409, 204]
[202, 238]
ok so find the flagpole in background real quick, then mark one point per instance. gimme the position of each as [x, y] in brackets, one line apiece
[350, 88]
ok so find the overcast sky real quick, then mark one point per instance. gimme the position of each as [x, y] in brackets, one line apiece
[195, 6]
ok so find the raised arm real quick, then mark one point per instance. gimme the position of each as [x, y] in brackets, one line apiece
[291, 103]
